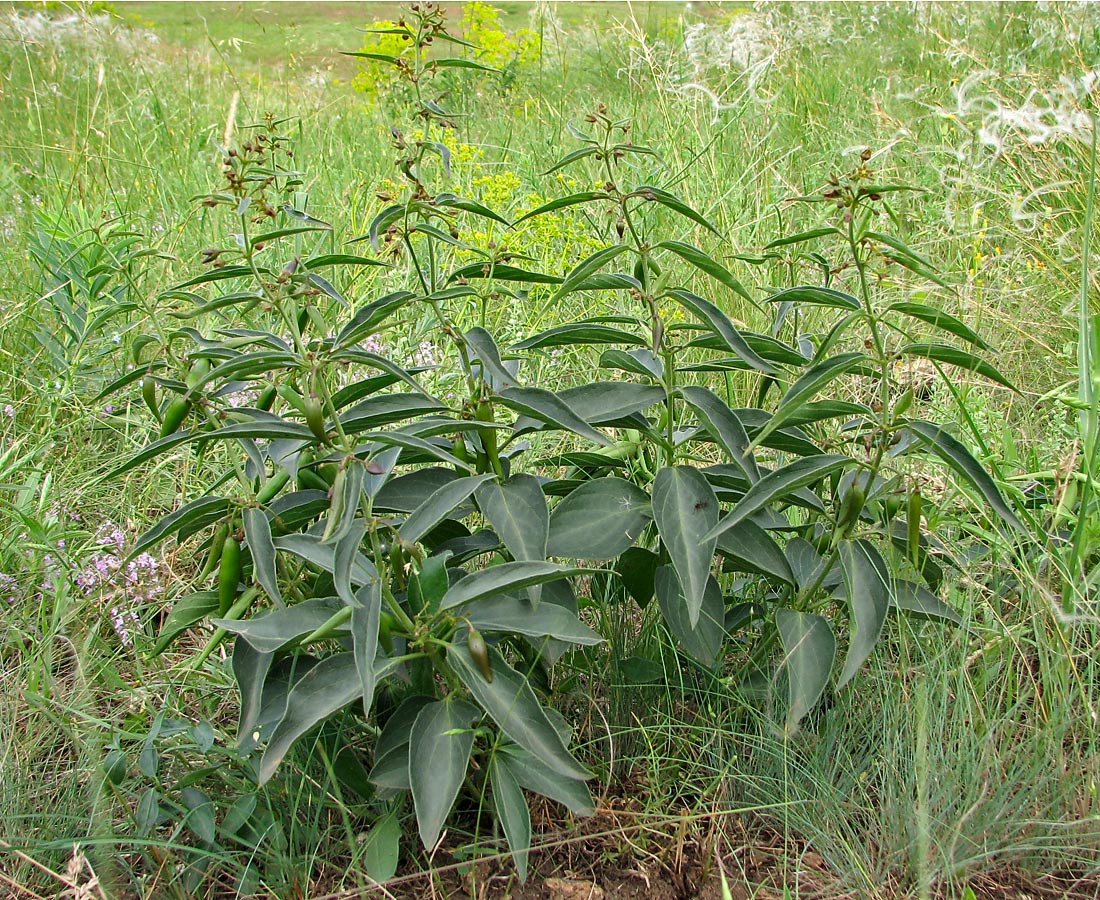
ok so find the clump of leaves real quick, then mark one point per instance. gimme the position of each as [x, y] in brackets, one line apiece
[386, 556]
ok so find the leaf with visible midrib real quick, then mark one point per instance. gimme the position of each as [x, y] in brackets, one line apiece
[867, 582]
[599, 520]
[686, 511]
[440, 742]
[808, 648]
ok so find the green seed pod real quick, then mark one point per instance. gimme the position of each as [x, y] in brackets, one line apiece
[850, 509]
[903, 404]
[479, 653]
[315, 417]
[200, 368]
[385, 631]
[214, 557]
[149, 395]
[229, 575]
[266, 398]
[174, 415]
[336, 507]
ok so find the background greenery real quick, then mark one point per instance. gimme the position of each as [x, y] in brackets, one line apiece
[963, 752]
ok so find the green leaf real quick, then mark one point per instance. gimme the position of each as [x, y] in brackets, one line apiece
[512, 811]
[942, 320]
[810, 383]
[704, 263]
[471, 206]
[382, 848]
[780, 483]
[942, 353]
[906, 256]
[724, 426]
[533, 775]
[185, 613]
[173, 522]
[551, 409]
[485, 351]
[611, 402]
[638, 362]
[250, 668]
[148, 812]
[366, 613]
[385, 409]
[511, 703]
[599, 520]
[502, 272]
[439, 752]
[637, 569]
[571, 158]
[808, 650]
[867, 584]
[587, 267]
[916, 599]
[505, 578]
[516, 508]
[366, 320]
[815, 296]
[200, 814]
[703, 640]
[342, 259]
[802, 237]
[751, 549]
[655, 194]
[344, 558]
[455, 63]
[686, 511]
[952, 452]
[519, 616]
[271, 630]
[723, 327]
[257, 531]
[578, 333]
[563, 202]
[406, 492]
[436, 507]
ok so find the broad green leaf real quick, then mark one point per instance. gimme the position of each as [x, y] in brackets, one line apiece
[768, 347]
[471, 206]
[808, 650]
[382, 848]
[185, 613]
[703, 640]
[802, 237]
[815, 296]
[942, 353]
[511, 703]
[406, 492]
[430, 450]
[952, 452]
[175, 521]
[670, 201]
[704, 263]
[512, 811]
[271, 630]
[395, 733]
[516, 508]
[439, 752]
[436, 507]
[310, 548]
[200, 814]
[519, 616]
[533, 775]
[505, 578]
[257, 531]
[820, 410]
[942, 320]
[778, 484]
[250, 668]
[385, 409]
[724, 426]
[751, 549]
[637, 569]
[723, 327]
[551, 409]
[810, 383]
[325, 689]
[578, 333]
[599, 520]
[611, 402]
[586, 267]
[428, 585]
[366, 612]
[562, 203]
[686, 512]
[638, 362]
[913, 598]
[867, 584]
[485, 351]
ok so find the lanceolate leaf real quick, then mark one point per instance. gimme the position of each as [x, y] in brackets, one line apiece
[486, 352]
[531, 774]
[639, 362]
[328, 687]
[512, 704]
[516, 508]
[724, 427]
[867, 584]
[815, 296]
[563, 202]
[250, 668]
[810, 383]
[505, 578]
[808, 650]
[551, 409]
[511, 807]
[269, 631]
[579, 333]
[778, 484]
[599, 520]
[674, 203]
[952, 452]
[257, 531]
[941, 319]
[701, 261]
[703, 640]
[942, 353]
[440, 504]
[751, 549]
[587, 267]
[173, 522]
[916, 599]
[802, 237]
[512, 614]
[366, 612]
[724, 328]
[439, 752]
[686, 511]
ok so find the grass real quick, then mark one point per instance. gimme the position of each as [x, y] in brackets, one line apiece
[954, 754]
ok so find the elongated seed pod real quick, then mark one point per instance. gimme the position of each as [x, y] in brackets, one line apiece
[266, 398]
[217, 543]
[149, 395]
[229, 575]
[336, 507]
[850, 508]
[479, 653]
[174, 415]
[315, 417]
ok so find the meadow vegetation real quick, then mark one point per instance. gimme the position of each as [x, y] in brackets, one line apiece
[460, 448]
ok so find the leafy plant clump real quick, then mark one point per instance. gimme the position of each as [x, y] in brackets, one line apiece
[413, 565]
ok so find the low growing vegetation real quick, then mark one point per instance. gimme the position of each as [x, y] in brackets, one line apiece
[491, 461]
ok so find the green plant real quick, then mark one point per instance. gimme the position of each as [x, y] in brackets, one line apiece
[389, 552]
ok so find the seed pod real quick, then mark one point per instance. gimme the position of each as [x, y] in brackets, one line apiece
[479, 653]
[336, 507]
[903, 404]
[315, 417]
[174, 415]
[266, 398]
[385, 629]
[850, 508]
[200, 368]
[149, 395]
[217, 543]
[229, 575]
